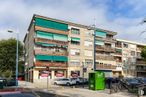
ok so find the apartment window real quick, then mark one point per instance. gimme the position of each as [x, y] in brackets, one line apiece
[74, 62]
[88, 33]
[75, 31]
[75, 40]
[88, 61]
[88, 43]
[125, 45]
[75, 52]
[88, 53]
[132, 53]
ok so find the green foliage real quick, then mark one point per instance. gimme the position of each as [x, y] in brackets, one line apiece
[143, 53]
[8, 55]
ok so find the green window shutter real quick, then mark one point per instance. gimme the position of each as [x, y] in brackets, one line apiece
[75, 39]
[60, 37]
[43, 57]
[43, 34]
[60, 58]
[100, 33]
[51, 24]
[99, 42]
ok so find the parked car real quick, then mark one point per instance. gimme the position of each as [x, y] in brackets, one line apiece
[65, 81]
[131, 84]
[11, 82]
[80, 80]
[3, 81]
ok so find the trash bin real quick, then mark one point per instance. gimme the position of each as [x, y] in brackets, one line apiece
[1, 83]
[97, 81]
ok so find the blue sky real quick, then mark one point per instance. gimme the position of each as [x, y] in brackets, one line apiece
[122, 16]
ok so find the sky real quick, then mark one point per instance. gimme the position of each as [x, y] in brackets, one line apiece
[121, 16]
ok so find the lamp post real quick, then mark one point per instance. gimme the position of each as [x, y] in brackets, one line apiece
[16, 77]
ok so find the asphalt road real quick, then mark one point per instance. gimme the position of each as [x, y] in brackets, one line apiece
[44, 94]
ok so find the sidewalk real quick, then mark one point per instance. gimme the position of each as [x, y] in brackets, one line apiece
[74, 92]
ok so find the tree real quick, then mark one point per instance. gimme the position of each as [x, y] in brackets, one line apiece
[8, 55]
[143, 53]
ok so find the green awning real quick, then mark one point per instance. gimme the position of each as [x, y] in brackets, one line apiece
[75, 39]
[60, 58]
[60, 37]
[97, 42]
[44, 57]
[45, 44]
[43, 34]
[51, 24]
[51, 58]
[119, 50]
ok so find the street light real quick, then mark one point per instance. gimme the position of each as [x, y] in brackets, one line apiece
[11, 31]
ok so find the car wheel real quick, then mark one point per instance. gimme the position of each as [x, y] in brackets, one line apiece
[55, 83]
[68, 84]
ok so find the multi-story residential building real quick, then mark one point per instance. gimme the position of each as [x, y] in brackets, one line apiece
[105, 49]
[66, 49]
[128, 55]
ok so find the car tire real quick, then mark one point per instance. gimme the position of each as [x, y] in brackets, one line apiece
[68, 84]
[55, 83]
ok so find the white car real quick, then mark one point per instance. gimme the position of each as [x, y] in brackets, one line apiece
[65, 81]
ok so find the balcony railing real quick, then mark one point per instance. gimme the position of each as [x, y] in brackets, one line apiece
[105, 39]
[59, 43]
[105, 66]
[140, 62]
[119, 46]
[50, 64]
[104, 57]
[119, 54]
[51, 30]
[42, 52]
[105, 48]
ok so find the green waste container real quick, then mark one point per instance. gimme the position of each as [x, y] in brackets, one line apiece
[1, 83]
[97, 80]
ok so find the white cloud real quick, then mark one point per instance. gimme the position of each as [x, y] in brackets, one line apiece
[18, 13]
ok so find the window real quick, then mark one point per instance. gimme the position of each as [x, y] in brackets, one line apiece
[88, 33]
[88, 53]
[125, 45]
[75, 31]
[88, 61]
[132, 53]
[75, 52]
[88, 43]
[74, 62]
[75, 40]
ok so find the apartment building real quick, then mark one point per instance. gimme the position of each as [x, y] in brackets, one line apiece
[65, 49]
[105, 49]
[128, 55]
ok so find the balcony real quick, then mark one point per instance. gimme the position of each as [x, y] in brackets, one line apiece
[119, 46]
[105, 48]
[51, 30]
[51, 64]
[59, 43]
[104, 57]
[43, 52]
[108, 40]
[117, 54]
[105, 67]
[141, 62]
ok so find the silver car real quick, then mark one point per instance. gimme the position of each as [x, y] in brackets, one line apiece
[65, 81]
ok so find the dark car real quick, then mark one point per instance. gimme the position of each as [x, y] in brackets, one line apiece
[3, 81]
[131, 84]
[11, 82]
